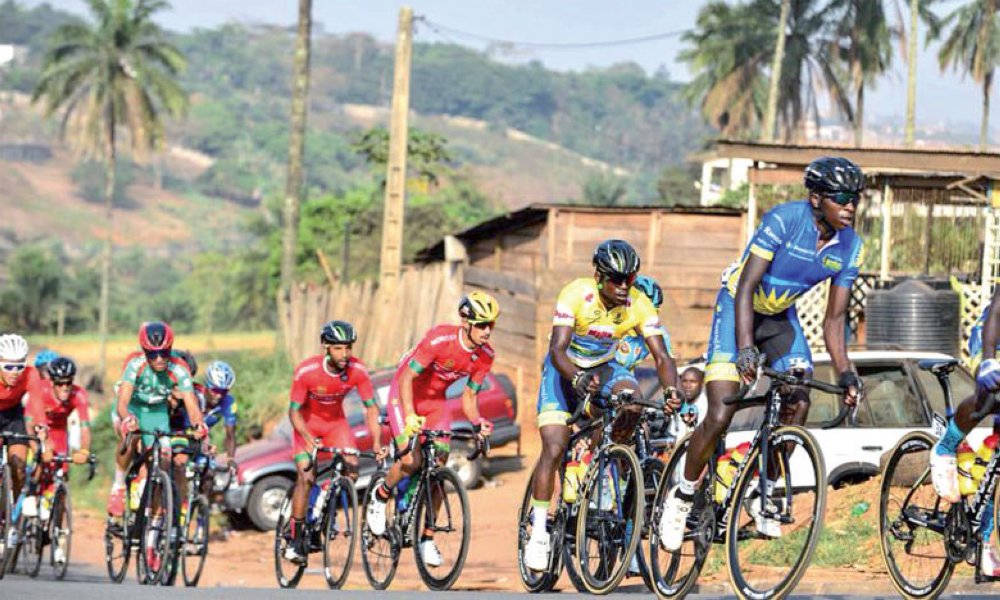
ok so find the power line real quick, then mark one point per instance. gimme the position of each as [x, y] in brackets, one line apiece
[447, 32]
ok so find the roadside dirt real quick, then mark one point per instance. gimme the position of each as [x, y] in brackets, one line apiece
[244, 558]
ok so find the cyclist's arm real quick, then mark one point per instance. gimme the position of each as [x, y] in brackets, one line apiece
[367, 393]
[666, 368]
[83, 414]
[298, 399]
[750, 278]
[991, 328]
[193, 410]
[406, 388]
[559, 343]
[835, 325]
[125, 389]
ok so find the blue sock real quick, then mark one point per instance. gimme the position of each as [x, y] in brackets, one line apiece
[952, 437]
[988, 522]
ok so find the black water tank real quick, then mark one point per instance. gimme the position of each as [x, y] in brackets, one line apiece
[914, 316]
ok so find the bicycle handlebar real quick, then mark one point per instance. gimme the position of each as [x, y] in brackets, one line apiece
[13, 435]
[778, 377]
[482, 444]
[337, 452]
[617, 399]
[988, 405]
[156, 433]
[62, 459]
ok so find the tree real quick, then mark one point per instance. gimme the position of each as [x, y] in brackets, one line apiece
[731, 49]
[767, 134]
[972, 45]
[296, 145]
[426, 153]
[908, 38]
[32, 289]
[117, 71]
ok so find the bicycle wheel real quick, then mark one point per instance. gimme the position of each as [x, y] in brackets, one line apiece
[61, 529]
[339, 532]
[609, 522]
[442, 508]
[652, 472]
[758, 566]
[118, 544]
[155, 546]
[31, 541]
[535, 581]
[380, 554]
[288, 573]
[912, 521]
[6, 526]
[194, 545]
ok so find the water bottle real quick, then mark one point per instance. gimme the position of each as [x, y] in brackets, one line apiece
[319, 502]
[311, 511]
[402, 500]
[724, 471]
[965, 462]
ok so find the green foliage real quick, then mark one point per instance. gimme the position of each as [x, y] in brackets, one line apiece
[676, 185]
[32, 289]
[604, 190]
[89, 177]
[425, 152]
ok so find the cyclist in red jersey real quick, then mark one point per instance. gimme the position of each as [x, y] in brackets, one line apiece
[317, 416]
[417, 396]
[17, 379]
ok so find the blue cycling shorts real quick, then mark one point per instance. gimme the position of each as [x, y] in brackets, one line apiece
[779, 336]
[975, 345]
[556, 399]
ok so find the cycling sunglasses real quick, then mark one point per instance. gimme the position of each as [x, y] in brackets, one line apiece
[13, 367]
[485, 324]
[219, 391]
[155, 354]
[844, 198]
[621, 280]
[62, 382]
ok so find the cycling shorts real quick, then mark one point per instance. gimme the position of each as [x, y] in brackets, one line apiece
[436, 412]
[556, 399]
[975, 346]
[779, 336]
[12, 420]
[336, 433]
[152, 417]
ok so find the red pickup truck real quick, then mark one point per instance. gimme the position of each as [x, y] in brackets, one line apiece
[265, 468]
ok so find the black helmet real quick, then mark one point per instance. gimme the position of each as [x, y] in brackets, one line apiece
[189, 360]
[616, 257]
[833, 174]
[61, 369]
[338, 332]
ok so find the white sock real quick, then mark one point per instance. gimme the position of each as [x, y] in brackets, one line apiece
[539, 520]
[119, 481]
[686, 487]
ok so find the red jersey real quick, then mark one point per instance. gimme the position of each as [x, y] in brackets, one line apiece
[30, 382]
[440, 359]
[57, 413]
[320, 392]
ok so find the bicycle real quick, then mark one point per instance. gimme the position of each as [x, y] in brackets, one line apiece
[8, 525]
[192, 517]
[915, 523]
[428, 504]
[52, 526]
[728, 513]
[599, 515]
[330, 518]
[147, 527]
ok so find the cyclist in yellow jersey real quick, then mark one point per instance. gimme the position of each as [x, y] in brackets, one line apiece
[592, 315]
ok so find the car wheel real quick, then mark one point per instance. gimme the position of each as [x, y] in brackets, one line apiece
[468, 471]
[265, 501]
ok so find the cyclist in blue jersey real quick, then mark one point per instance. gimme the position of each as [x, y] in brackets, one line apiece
[797, 245]
[983, 345]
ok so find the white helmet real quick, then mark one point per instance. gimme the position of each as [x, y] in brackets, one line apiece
[13, 348]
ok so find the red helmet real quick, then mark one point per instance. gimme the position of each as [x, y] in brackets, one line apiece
[155, 335]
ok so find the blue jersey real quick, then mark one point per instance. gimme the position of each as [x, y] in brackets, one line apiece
[632, 350]
[224, 411]
[787, 237]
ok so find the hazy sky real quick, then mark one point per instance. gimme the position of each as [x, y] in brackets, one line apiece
[941, 97]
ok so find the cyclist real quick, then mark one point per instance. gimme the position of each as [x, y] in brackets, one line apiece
[983, 344]
[145, 386]
[59, 398]
[417, 397]
[592, 315]
[316, 412]
[17, 379]
[797, 245]
[42, 359]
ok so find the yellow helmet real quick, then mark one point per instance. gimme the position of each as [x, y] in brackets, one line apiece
[479, 307]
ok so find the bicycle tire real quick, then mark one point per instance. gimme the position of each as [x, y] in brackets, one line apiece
[909, 460]
[31, 544]
[341, 502]
[652, 472]
[281, 540]
[442, 476]
[739, 570]
[118, 531]
[196, 535]
[380, 554]
[612, 530]
[6, 509]
[159, 488]
[535, 582]
[61, 528]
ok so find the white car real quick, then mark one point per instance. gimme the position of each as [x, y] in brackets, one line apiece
[900, 397]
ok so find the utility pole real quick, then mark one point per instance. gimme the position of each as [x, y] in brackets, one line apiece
[767, 133]
[395, 180]
[345, 253]
[911, 77]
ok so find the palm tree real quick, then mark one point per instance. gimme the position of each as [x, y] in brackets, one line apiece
[731, 50]
[767, 134]
[296, 146]
[972, 45]
[908, 43]
[862, 39]
[116, 72]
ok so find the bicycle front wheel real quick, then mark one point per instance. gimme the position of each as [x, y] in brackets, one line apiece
[442, 511]
[194, 547]
[788, 504]
[31, 541]
[155, 547]
[912, 521]
[339, 532]
[380, 553]
[287, 572]
[6, 526]
[609, 524]
[535, 581]
[61, 530]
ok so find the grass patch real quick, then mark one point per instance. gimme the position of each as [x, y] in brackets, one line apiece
[843, 543]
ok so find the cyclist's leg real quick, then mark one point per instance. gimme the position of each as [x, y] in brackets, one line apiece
[12, 420]
[341, 436]
[180, 459]
[781, 339]
[410, 463]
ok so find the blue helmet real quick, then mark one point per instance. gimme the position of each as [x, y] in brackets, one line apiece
[219, 375]
[45, 357]
[648, 286]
